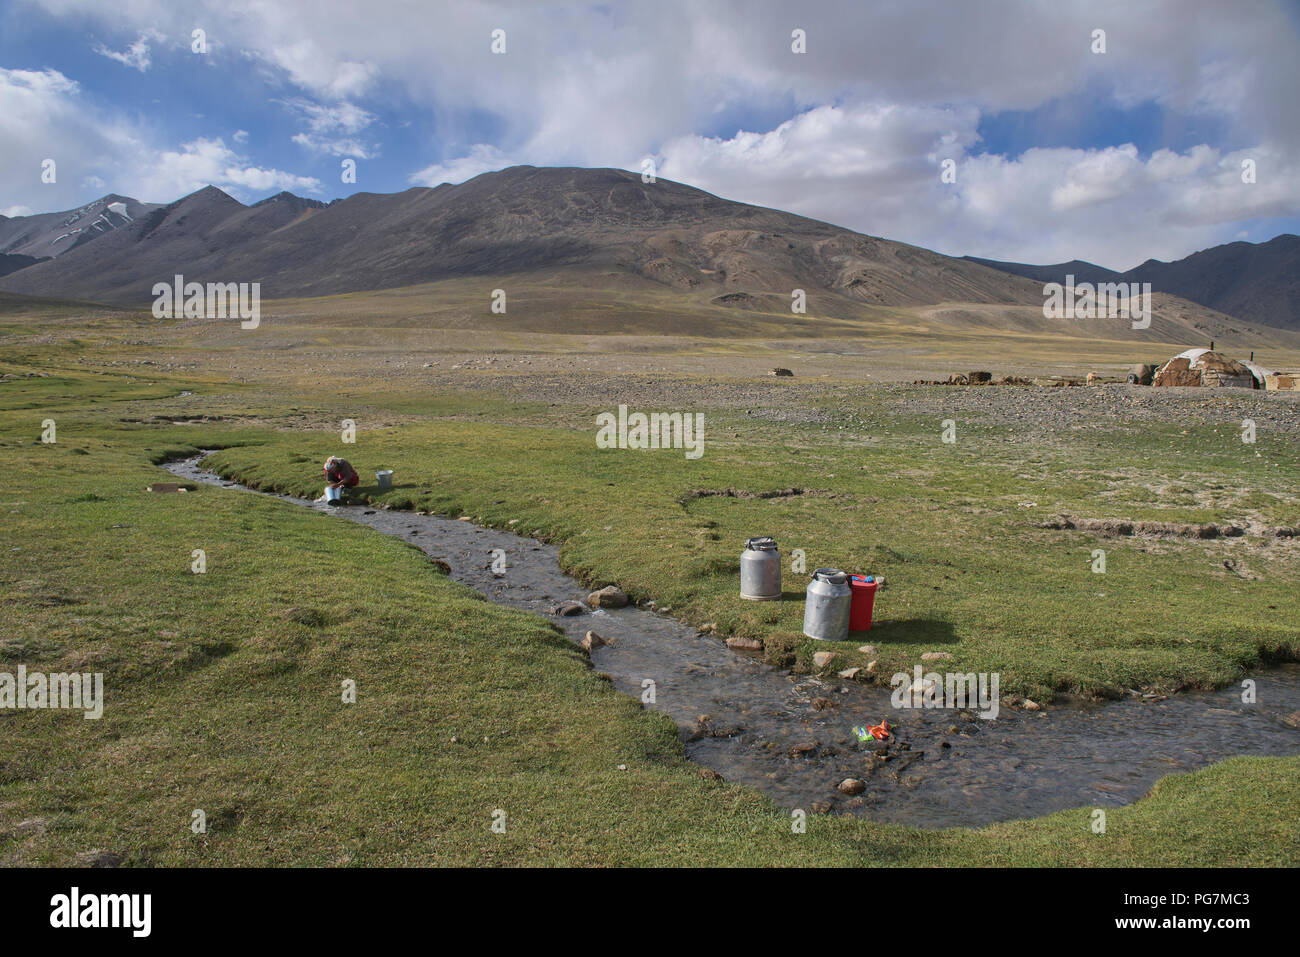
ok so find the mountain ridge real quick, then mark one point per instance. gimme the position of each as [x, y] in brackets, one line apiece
[1255, 282]
[518, 219]
[567, 223]
[49, 235]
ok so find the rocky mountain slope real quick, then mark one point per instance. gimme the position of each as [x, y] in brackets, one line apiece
[512, 221]
[1255, 282]
[597, 235]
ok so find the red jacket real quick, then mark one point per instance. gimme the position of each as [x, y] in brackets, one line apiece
[342, 472]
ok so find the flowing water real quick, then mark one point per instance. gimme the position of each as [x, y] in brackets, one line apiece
[792, 737]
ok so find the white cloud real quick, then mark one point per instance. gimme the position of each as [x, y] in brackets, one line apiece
[481, 158]
[204, 162]
[881, 143]
[136, 56]
[315, 70]
[332, 128]
[1095, 176]
[40, 83]
[877, 169]
[43, 117]
[16, 211]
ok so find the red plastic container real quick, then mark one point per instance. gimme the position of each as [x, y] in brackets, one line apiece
[863, 602]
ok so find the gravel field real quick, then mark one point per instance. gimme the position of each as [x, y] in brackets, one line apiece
[823, 390]
[1032, 408]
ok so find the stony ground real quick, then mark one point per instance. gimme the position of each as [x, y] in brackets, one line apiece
[1040, 409]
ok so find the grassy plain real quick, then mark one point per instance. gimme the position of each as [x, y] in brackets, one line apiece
[224, 688]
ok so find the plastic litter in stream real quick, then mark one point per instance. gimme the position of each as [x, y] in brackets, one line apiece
[872, 732]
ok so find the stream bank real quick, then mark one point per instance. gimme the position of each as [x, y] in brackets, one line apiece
[791, 736]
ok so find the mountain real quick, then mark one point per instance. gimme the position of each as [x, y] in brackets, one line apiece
[192, 236]
[515, 220]
[48, 235]
[1255, 282]
[12, 262]
[604, 249]
[1080, 270]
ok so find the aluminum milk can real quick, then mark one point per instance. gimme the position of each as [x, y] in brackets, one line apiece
[760, 570]
[827, 605]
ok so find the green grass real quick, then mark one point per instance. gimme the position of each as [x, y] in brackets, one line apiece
[968, 570]
[223, 689]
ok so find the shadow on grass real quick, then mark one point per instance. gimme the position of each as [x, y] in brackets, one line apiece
[907, 631]
[375, 490]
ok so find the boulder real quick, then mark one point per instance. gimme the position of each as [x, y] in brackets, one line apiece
[744, 644]
[591, 641]
[852, 786]
[611, 596]
[823, 658]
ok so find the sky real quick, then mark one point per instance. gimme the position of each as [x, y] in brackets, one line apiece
[1059, 142]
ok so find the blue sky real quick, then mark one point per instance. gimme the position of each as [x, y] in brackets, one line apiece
[1059, 150]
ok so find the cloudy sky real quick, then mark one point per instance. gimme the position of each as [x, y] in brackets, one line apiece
[1058, 151]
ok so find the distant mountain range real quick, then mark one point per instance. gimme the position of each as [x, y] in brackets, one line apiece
[1256, 282]
[604, 224]
[517, 220]
[47, 235]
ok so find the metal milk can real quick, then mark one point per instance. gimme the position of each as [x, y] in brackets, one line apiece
[827, 605]
[760, 570]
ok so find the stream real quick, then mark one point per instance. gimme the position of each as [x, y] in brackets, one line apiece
[791, 736]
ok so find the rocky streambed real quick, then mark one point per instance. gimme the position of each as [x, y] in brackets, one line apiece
[792, 736]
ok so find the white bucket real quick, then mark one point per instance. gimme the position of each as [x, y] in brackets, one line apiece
[333, 494]
[384, 478]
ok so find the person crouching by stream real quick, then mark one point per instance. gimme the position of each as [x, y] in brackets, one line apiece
[339, 475]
